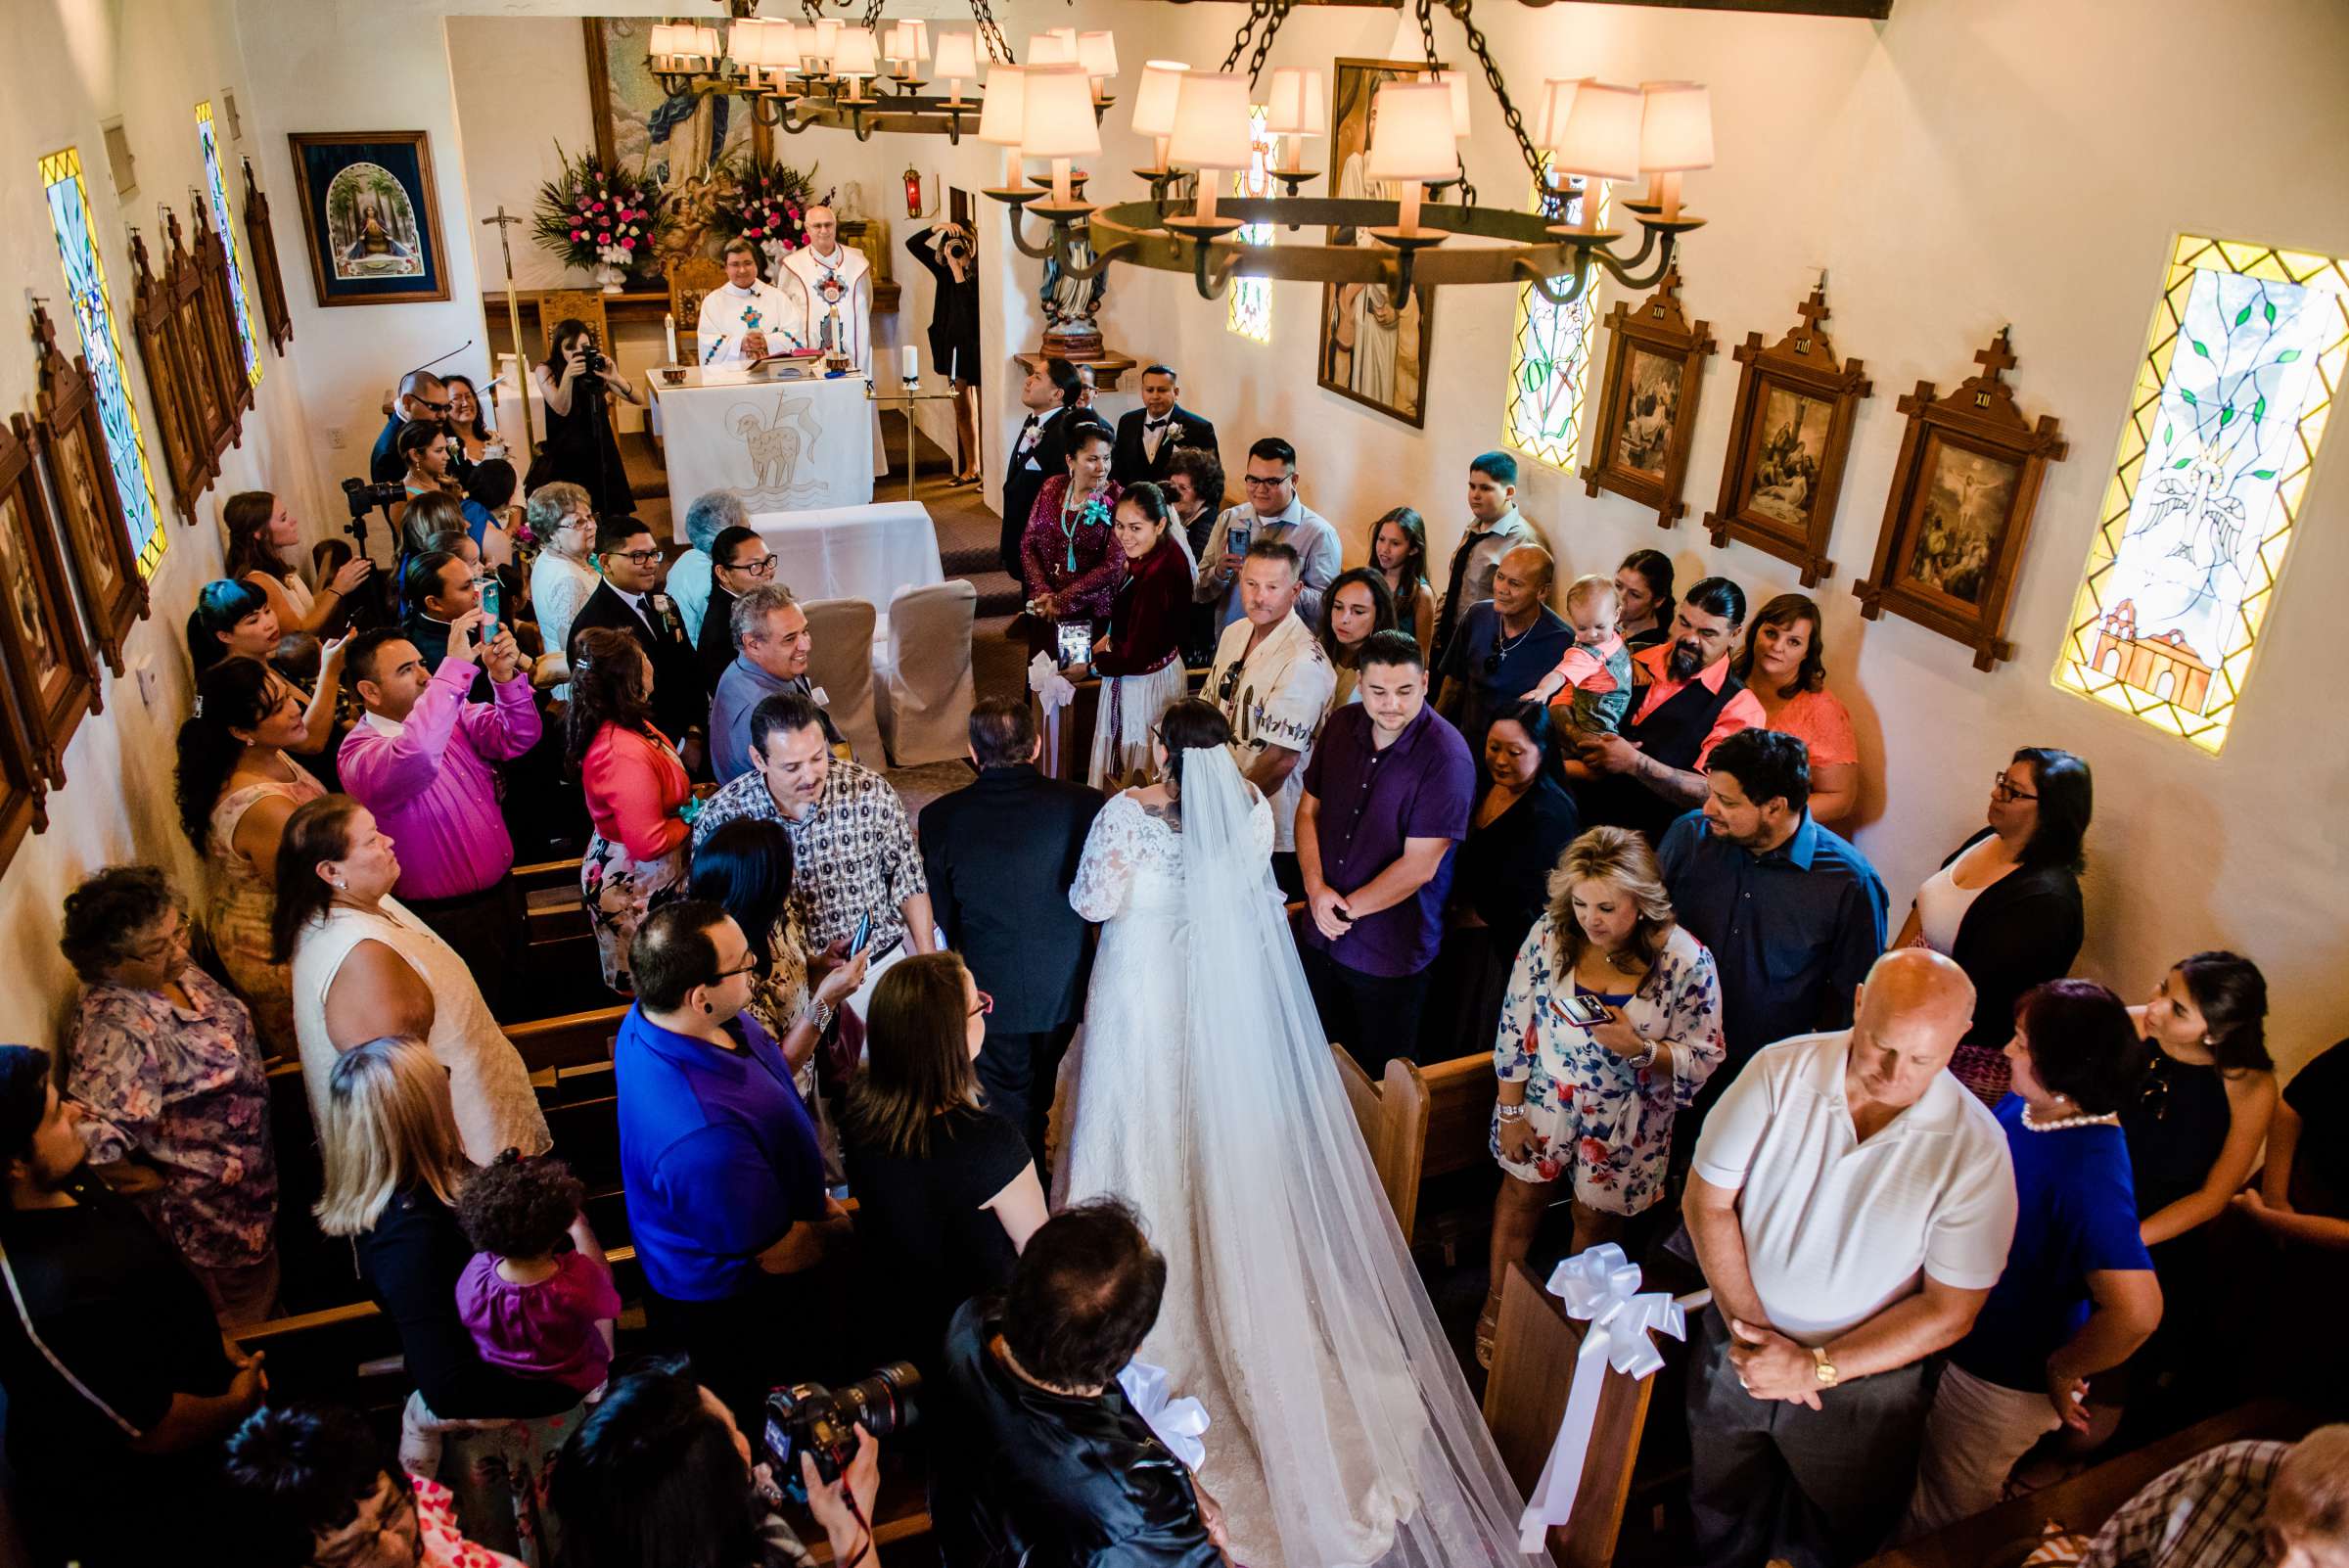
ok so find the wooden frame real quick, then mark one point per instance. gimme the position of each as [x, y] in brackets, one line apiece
[1349, 124]
[1634, 456]
[1947, 555]
[213, 403]
[220, 317]
[23, 794]
[1793, 396]
[74, 453]
[691, 179]
[188, 458]
[269, 279]
[406, 158]
[51, 675]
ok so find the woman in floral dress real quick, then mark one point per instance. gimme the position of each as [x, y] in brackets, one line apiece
[1596, 1100]
[1072, 567]
[638, 796]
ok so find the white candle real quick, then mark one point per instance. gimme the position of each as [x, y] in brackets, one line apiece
[913, 361]
[668, 324]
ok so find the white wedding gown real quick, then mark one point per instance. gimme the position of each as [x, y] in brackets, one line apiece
[1203, 1094]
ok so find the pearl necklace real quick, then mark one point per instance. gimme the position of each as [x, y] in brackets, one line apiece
[2108, 1119]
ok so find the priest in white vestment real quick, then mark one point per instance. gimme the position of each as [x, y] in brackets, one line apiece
[743, 318]
[831, 285]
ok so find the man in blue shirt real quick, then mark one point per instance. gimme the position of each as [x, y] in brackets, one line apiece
[719, 1163]
[1795, 914]
[1504, 647]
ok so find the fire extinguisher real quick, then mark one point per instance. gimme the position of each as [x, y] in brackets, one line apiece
[913, 192]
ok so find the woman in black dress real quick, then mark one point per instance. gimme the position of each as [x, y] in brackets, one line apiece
[577, 379]
[951, 254]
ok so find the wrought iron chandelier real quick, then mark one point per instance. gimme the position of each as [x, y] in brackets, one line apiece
[1592, 131]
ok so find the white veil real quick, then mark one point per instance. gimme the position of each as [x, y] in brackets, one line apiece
[1373, 1451]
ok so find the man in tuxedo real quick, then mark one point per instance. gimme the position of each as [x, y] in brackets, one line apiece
[1001, 855]
[627, 598]
[423, 400]
[1147, 437]
[1038, 452]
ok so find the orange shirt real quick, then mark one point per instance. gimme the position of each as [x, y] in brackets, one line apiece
[1820, 720]
[1741, 712]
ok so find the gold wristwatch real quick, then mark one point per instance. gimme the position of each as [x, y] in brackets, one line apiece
[1825, 1368]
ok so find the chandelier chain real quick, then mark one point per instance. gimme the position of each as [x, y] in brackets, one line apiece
[1270, 15]
[1508, 110]
[1426, 13]
[998, 48]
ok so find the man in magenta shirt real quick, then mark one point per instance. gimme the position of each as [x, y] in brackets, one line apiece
[419, 759]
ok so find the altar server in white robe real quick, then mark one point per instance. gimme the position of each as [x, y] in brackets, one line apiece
[744, 318]
[832, 291]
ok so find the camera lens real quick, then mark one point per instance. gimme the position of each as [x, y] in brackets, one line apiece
[882, 1401]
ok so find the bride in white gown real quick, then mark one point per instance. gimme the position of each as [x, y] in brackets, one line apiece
[1206, 1095]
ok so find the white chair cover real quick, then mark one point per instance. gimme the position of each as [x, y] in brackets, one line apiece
[926, 693]
[840, 662]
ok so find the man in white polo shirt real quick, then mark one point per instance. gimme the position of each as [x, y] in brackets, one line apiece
[1852, 1205]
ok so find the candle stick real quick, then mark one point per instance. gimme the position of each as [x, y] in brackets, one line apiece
[668, 325]
[953, 361]
[912, 362]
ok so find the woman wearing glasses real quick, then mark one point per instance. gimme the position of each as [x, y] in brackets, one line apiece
[739, 560]
[2005, 906]
[561, 519]
[947, 1192]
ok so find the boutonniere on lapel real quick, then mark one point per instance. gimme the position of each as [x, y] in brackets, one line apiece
[1096, 512]
[1174, 435]
[666, 610]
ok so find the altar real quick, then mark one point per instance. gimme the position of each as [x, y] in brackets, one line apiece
[781, 446]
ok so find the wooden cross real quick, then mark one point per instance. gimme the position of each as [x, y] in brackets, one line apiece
[43, 332]
[1813, 310]
[1995, 358]
[500, 220]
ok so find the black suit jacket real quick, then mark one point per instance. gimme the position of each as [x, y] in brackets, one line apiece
[1026, 477]
[1126, 462]
[680, 698]
[1001, 855]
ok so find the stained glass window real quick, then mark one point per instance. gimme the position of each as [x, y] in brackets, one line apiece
[228, 238]
[2230, 404]
[1543, 417]
[101, 346]
[1250, 312]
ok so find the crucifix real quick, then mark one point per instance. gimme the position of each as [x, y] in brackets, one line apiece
[1813, 311]
[502, 220]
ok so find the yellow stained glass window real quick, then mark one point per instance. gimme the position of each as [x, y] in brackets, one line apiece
[1250, 313]
[1550, 352]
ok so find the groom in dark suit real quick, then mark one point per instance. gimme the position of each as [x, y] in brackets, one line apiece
[1147, 437]
[1001, 855]
[630, 599]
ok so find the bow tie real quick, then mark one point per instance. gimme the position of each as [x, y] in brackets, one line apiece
[1157, 424]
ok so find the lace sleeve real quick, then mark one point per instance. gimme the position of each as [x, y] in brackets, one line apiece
[1105, 872]
[1259, 826]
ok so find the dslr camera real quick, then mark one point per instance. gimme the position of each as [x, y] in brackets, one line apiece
[809, 1418]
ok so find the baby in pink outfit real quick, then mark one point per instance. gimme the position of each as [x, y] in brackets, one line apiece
[1596, 669]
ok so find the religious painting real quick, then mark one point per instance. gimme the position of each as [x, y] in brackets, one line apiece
[51, 673]
[370, 217]
[97, 550]
[261, 236]
[1374, 345]
[24, 787]
[226, 356]
[2227, 413]
[1959, 508]
[1647, 404]
[212, 387]
[685, 143]
[1789, 437]
[1549, 358]
[187, 456]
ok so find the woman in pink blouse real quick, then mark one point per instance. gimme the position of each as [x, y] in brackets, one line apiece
[638, 795]
[1073, 569]
[1785, 666]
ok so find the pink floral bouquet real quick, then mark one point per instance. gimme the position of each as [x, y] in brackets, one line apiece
[593, 217]
[767, 204]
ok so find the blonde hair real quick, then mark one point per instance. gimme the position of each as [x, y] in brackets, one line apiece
[1586, 587]
[1622, 856]
[385, 1124]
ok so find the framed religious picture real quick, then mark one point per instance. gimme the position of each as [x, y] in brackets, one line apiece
[1647, 405]
[210, 400]
[72, 448]
[52, 675]
[260, 237]
[369, 216]
[1959, 511]
[188, 459]
[1374, 345]
[1788, 438]
[23, 789]
[219, 316]
[689, 144]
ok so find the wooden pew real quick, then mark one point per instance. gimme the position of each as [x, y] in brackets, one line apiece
[1393, 1116]
[559, 961]
[568, 1039]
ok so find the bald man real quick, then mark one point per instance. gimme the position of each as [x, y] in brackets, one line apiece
[1852, 1205]
[831, 285]
[1504, 646]
[423, 396]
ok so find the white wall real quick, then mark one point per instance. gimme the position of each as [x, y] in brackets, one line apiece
[521, 89]
[74, 64]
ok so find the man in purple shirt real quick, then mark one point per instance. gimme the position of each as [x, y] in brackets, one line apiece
[1386, 798]
[419, 759]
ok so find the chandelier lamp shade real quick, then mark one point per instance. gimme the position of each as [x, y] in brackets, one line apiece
[1056, 122]
[1295, 110]
[1413, 139]
[1154, 107]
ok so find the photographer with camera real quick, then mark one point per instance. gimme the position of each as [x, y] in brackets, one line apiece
[660, 1476]
[576, 380]
[1044, 1459]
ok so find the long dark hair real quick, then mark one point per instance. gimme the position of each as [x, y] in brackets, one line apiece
[1414, 562]
[219, 606]
[2066, 800]
[245, 519]
[2232, 995]
[1382, 610]
[318, 830]
[235, 692]
[481, 429]
[1188, 725]
[1655, 568]
[917, 1062]
[652, 1479]
[567, 328]
[744, 868]
[607, 687]
[1540, 729]
[1784, 610]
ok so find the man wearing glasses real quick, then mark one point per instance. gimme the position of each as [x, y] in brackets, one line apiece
[628, 599]
[690, 575]
[768, 632]
[1502, 646]
[739, 560]
[1271, 511]
[423, 400]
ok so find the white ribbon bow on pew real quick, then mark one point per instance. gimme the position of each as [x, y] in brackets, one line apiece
[1600, 1285]
[1053, 692]
[1178, 1423]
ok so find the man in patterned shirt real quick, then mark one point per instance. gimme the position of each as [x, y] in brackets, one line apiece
[851, 843]
[2239, 1505]
[1275, 683]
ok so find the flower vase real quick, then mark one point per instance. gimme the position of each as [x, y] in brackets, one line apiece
[612, 273]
